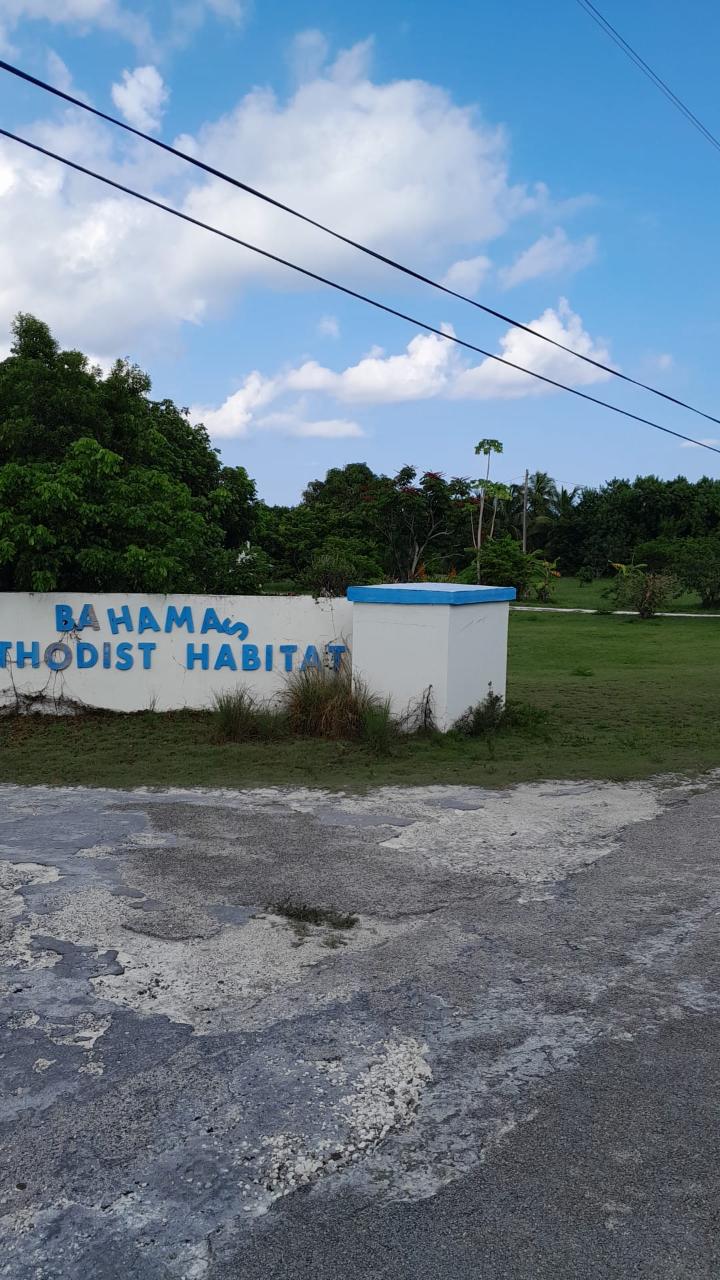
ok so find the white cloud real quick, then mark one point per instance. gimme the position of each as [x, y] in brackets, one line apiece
[686, 444]
[308, 54]
[429, 368]
[466, 275]
[184, 17]
[83, 15]
[491, 380]
[420, 372]
[548, 256]
[663, 361]
[239, 415]
[234, 417]
[329, 327]
[292, 424]
[398, 165]
[58, 72]
[141, 97]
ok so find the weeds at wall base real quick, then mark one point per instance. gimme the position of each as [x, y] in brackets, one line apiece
[318, 702]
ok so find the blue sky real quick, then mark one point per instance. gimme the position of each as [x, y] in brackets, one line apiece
[509, 148]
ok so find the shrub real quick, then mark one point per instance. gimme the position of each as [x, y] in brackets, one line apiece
[547, 574]
[320, 702]
[336, 565]
[657, 554]
[379, 728]
[239, 717]
[419, 717]
[503, 563]
[486, 718]
[636, 587]
[696, 561]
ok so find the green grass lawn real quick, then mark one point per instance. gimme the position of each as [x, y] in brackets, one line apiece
[624, 699]
[571, 594]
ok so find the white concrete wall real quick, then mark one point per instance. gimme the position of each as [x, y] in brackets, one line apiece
[400, 651]
[165, 677]
[460, 652]
[477, 647]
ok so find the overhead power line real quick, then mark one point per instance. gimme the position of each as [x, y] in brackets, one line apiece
[350, 293]
[642, 65]
[354, 244]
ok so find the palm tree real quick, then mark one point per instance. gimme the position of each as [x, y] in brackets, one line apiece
[564, 501]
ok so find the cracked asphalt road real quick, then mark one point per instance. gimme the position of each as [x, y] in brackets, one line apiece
[509, 1067]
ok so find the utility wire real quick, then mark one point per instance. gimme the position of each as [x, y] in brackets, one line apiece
[342, 288]
[354, 244]
[602, 22]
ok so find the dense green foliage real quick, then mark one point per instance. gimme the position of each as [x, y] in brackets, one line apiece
[103, 488]
[355, 524]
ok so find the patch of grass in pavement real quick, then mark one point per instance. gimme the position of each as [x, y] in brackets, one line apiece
[624, 699]
[302, 913]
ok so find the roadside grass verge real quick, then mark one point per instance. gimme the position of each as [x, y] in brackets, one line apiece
[613, 698]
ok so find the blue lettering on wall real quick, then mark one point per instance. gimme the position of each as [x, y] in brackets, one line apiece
[88, 618]
[87, 655]
[288, 650]
[250, 658]
[225, 658]
[211, 622]
[64, 620]
[311, 659]
[147, 620]
[57, 656]
[118, 619]
[146, 649]
[25, 653]
[124, 657]
[199, 656]
[179, 618]
[336, 652]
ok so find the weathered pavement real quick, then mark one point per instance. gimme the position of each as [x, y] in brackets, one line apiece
[510, 1067]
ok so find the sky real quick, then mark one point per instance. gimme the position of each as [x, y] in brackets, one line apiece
[509, 150]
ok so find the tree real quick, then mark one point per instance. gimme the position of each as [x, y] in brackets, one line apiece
[637, 587]
[102, 488]
[411, 518]
[338, 564]
[696, 561]
[487, 447]
[503, 563]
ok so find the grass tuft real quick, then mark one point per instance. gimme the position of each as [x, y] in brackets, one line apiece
[379, 728]
[320, 702]
[303, 913]
[239, 717]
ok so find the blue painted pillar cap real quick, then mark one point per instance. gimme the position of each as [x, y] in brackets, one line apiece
[447, 593]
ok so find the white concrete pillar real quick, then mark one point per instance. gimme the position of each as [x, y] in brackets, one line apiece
[411, 636]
